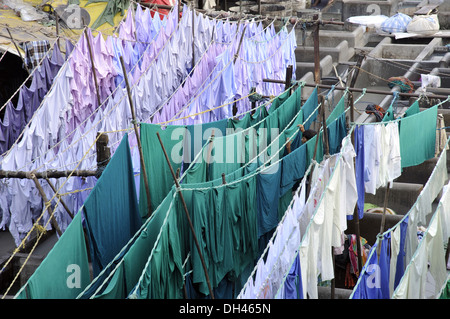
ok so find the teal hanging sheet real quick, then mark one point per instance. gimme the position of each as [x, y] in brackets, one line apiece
[337, 111]
[111, 209]
[413, 109]
[418, 137]
[310, 109]
[127, 267]
[160, 179]
[64, 273]
[337, 130]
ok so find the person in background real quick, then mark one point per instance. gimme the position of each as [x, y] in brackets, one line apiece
[306, 136]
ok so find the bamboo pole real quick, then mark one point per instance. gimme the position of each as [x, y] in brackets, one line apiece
[94, 73]
[18, 51]
[355, 212]
[288, 80]
[59, 197]
[46, 202]
[193, 37]
[46, 174]
[136, 131]
[208, 158]
[316, 49]
[187, 216]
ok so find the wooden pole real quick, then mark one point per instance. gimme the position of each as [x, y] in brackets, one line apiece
[355, 212]
[187, 216]
[103, 152]
[356, 70]
[46, 202]
[236, 55]
[240, 43]
[136, 131]
[324, 126]
[18, 51]
[316, 50]
[59, 197]
[94, 73]
[193, 37]
[57, 29]
[46, 174]
[288, 80]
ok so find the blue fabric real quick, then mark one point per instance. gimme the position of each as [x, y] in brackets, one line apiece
[268, 194]
[384, 263]
[309, 109]
[293, 167]
[400, 267]
[374, 280]
[293, 288]
[367, 282]
[336, 132]
[111, 210]
[396, 23]
[359, 170]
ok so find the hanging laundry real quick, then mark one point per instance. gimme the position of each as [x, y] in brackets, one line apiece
[35, 51]
[112, 221]
[359, 169]
[68, 265]
[159, 177]
[416, 146]
[293, 284]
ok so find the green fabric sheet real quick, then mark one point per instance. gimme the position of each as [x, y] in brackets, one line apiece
[64, 273]
[111, 209]
[418, 137]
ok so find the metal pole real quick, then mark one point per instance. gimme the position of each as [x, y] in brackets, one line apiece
[141, 155]
[187, 216]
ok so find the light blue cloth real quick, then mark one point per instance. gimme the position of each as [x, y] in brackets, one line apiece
[396, 23]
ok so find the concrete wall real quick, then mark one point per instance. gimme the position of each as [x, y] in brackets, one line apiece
[363, 7]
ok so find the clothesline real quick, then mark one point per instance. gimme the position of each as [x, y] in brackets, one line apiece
[210, 139]
[407, 67]
[400, 118]
[29, 75]
[262, 167]
[93, 113]
[346, 140]
[61, 153]
[275, 234]
[143, 73]
[36, 223]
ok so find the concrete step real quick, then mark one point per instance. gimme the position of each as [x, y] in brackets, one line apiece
[341, 53]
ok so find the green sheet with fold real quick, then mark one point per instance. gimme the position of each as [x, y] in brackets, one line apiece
[418, 137]
[64, 273]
